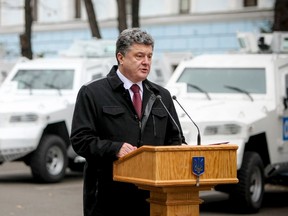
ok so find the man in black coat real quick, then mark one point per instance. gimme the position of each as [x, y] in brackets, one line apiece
[106, 126]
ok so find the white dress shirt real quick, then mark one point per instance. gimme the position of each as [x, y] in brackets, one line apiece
[128, 83]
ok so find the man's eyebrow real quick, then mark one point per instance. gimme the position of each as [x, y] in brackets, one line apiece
[141, 52]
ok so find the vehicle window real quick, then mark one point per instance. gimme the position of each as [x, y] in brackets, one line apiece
[218, 80]
[96, 76]
[44, 79]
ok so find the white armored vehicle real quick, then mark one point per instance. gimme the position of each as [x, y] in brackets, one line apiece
[242, 99]
[36, 105]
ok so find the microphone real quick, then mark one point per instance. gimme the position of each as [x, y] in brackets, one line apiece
[198, 135]
[171, 117]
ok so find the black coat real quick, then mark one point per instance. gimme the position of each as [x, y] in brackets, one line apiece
[104, 118]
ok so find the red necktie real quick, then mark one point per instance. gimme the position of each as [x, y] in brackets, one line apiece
[137, 99]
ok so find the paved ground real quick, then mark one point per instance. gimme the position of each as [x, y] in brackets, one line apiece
[21, 196]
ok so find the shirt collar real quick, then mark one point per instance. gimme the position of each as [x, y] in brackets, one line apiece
[128, 83]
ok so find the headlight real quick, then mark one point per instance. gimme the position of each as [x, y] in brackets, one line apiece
[226, 129]
[24, 118]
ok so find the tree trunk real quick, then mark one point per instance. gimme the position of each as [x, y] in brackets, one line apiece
[25, 38]
[135, 13]
[92, 19]
[122, 17]
[281, 15]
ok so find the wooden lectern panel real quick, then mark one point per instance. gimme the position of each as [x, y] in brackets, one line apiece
[166, 171]
[172, 165]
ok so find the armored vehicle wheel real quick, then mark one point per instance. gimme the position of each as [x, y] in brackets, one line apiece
[250, 189]
[48, 163]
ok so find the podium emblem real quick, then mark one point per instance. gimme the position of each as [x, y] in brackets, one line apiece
[198, 165]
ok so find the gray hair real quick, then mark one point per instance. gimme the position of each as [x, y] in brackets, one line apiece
[130, 36]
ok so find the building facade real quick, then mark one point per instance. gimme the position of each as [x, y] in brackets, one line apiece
[197, 26]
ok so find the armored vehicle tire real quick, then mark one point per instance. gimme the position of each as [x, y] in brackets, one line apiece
[250, 189]
[48, 163]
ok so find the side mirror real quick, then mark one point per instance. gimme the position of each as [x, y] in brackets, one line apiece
[285, 100]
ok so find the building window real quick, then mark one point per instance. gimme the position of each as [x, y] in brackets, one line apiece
[77, 9]
[184, 6]
[250, 3]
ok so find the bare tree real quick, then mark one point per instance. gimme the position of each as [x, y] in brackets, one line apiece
[25, 38]
[135, 13]
[92, 19]
[281, 15]
[122, 15]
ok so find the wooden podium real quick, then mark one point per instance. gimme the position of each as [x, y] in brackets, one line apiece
[168, 172]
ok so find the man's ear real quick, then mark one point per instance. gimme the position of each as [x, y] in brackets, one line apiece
[120, 57]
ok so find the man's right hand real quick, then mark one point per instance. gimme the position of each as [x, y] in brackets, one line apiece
[126, 149]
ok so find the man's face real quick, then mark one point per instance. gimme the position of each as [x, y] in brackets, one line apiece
[135, 65]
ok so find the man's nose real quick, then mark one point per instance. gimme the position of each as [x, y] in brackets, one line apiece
[146, 60]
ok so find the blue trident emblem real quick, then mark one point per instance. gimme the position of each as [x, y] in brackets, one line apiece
[198, 167]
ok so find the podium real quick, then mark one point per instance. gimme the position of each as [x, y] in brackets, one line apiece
[174, 175]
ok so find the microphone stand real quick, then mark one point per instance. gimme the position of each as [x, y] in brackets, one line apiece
[198, 135]
[171, 117]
